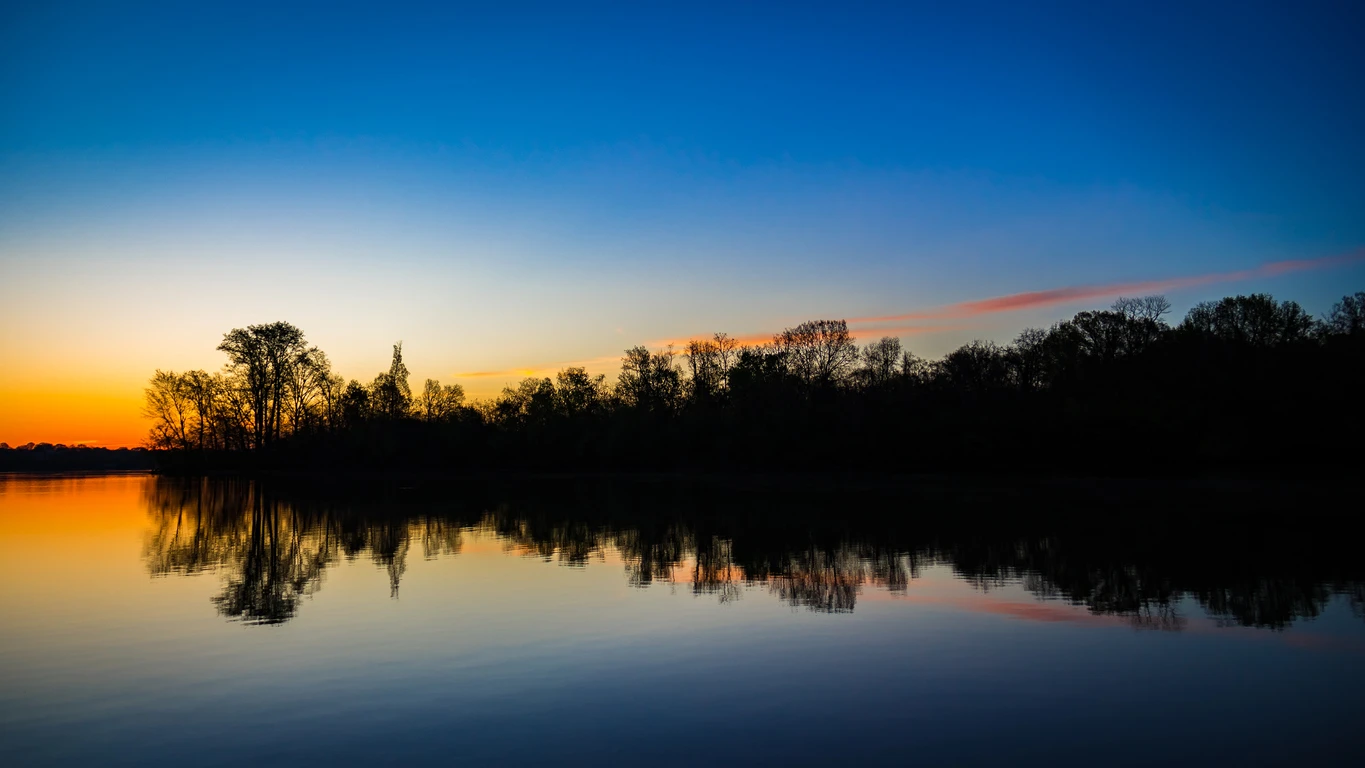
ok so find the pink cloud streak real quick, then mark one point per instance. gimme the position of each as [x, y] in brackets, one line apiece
[1052, 296]
[969, 309]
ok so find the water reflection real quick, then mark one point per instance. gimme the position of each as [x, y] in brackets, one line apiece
[272, 546]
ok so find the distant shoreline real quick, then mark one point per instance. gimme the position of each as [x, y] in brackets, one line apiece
[1319, 481]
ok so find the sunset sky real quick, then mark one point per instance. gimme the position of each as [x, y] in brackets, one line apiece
[514, 188]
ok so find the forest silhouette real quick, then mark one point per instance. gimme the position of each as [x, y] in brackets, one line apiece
[1246, 380]
[271, 542]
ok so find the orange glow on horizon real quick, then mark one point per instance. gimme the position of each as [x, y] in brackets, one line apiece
[101, 419]
[108, 413]
[593, 365]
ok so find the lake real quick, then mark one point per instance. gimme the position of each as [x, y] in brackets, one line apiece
[160, 621]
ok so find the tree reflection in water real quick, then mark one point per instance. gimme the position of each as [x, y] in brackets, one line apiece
[273, 547]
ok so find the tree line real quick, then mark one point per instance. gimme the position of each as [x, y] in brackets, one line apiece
[1243, 379]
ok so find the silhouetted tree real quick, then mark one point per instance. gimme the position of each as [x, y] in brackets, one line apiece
[709, 362]
[206, 393]
[390, 393]
[530, 404]
[881, 362]
[980, 366]
[579, 395]
[1347, 317]
[437, 403]
[650, 382]
[1253, 321]
[760, 375]
[355, 404]
[1151, 308]
[170, 405]
[331, 390]
[1028, 356]
[307, 388]
[264, 360]
[820, 353]
[1104, 336]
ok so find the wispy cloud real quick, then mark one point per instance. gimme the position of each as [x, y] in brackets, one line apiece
[900, 330]
[756, 339]
[746, 340]
[931, 320]
[1053, 296]
[540, 370]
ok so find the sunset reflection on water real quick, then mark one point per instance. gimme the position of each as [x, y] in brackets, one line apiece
[262, 620]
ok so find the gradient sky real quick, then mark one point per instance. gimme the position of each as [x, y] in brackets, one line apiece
[517, 187]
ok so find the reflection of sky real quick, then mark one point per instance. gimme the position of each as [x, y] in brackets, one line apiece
[528, 189]
[489, 656]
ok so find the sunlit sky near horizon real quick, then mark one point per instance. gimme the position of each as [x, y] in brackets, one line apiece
[522, 187]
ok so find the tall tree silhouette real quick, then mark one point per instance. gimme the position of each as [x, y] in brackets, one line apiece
[390, 394]
[820, 353]
[265, 359]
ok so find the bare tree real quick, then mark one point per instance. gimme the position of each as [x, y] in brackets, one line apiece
[1105, 336]
[819, 352]
[206, 393]
[530, 403]
[1028, 356]
[578, 393]
[308, 380]
[881, 360]
[438, 403]
[170, 406]
[914, 368]
[1347, 317]
[264, 359]
[1142, 308]
[708, 362]
[1255, 320]
[980, 366]
[331, 387]
[648, 381]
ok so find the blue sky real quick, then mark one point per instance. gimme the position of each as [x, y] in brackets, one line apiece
[511, 186]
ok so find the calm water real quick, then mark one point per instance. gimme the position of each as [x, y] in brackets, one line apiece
[154, 621]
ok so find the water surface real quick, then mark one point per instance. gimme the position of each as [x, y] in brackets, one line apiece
[157, 621]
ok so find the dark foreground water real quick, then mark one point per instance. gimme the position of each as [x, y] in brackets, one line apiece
[161, 622]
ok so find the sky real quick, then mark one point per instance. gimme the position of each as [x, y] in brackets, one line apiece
[512, 188]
